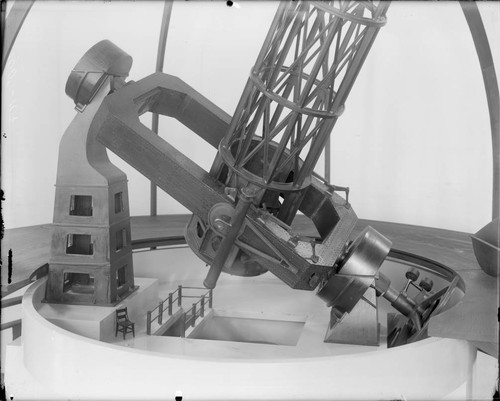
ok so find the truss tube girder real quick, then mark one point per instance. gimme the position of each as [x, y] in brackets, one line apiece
[309, 61]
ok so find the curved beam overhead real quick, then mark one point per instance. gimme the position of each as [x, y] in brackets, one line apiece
[160, 59]
[12, 26]
[481, 43]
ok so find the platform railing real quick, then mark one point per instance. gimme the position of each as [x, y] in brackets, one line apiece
[197, 310]
[175, 298]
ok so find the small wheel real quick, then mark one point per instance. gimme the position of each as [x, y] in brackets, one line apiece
[219, 218]
[426, 284]
[412, 274]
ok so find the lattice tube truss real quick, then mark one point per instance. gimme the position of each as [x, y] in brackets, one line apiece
[296, 91]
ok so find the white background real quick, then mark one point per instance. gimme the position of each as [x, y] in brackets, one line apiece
[414, 143]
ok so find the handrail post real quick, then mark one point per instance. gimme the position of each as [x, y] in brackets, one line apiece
[148, 323]
[170, 297]
[179, 297]
[183, 325]
[210, 298]
[160, 313]
[193, 311]
[202, 309]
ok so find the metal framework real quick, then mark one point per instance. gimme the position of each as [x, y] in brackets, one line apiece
[296, 91]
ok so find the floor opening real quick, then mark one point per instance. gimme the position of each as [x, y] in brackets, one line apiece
[249, 330]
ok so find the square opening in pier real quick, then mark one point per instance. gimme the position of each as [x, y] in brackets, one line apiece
[78, 283]
[79, 244]
[80, 205]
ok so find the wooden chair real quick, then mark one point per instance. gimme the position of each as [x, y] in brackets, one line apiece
[123, 324]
